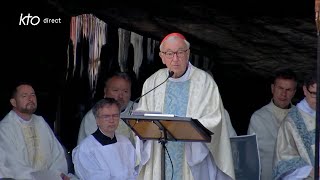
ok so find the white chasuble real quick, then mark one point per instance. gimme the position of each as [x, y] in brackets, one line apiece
[204, 104]
[295, 146]
[31, 147]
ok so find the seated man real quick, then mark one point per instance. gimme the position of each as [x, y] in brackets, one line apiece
[295, 145]
[105, 154]
[117, 86]
[28, 141]
[266, 121]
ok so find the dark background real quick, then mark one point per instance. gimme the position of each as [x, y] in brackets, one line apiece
[39, 54]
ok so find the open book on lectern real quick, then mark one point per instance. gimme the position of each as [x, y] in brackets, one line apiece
[157, 126]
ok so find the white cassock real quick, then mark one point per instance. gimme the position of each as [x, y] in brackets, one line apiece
[88, 125]
[94, 161]
[265, 123]
[295, 146]
[204, 104]
[4, 170]
[31, 147]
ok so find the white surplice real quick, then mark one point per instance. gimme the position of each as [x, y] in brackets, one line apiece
[93, 161]
[88, 125]
[295, 146]
[31, 147]
[205, 105]
[265, 123]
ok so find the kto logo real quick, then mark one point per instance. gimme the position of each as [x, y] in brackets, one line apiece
[26, 20]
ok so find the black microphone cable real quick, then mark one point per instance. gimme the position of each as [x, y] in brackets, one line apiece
[131, 107]
[170, 162]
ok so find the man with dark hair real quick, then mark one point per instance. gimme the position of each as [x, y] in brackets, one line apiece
[117, 86]
[105, 154]
[30, 146]
[266, 121]
[295, 145]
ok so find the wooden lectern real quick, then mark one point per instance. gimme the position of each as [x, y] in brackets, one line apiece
[166, 127]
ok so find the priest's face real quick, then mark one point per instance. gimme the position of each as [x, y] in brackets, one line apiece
[283, 91]
[174, 54]
[311, 94]
[119, 89]
[25, 100]
[108, 119]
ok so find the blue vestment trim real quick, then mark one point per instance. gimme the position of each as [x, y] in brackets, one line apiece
[176, 102]
[308, 138]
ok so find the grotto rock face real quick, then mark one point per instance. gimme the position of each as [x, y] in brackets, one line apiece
[243, 42]
[247, 36]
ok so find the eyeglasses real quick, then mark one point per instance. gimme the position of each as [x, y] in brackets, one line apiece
[180, 53]
[109, 117]
[312, 94]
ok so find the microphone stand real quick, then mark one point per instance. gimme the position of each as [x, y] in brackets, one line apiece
[136, 100]
[163, 140]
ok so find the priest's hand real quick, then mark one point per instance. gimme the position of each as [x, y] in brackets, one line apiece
[64, 177]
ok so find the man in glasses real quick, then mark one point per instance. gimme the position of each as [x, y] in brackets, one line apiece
[266, 121]
[188, 92]
[105, 154]
[295, 145]
[117, 86]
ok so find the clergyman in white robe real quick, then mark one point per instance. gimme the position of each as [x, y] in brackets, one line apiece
[31, 147]
[295, 145]
[265, 123]
[201, 101]
[88, 124]
[96, 159]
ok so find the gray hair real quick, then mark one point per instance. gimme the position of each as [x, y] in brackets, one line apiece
[103, 103]
[171, 38]
[122, 75]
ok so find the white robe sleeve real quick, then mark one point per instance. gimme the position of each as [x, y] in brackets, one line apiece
[201, 162]
[195, 152]
[5, 172]
[58, 157]
[87, 127]
[231, 130]
[86, 166]
[299, 174]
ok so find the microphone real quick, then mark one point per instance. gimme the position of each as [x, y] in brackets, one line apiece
[131, 107]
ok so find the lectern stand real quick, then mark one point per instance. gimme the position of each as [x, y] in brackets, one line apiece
[165, 128]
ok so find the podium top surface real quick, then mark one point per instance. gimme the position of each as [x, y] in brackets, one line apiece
[167, 127]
